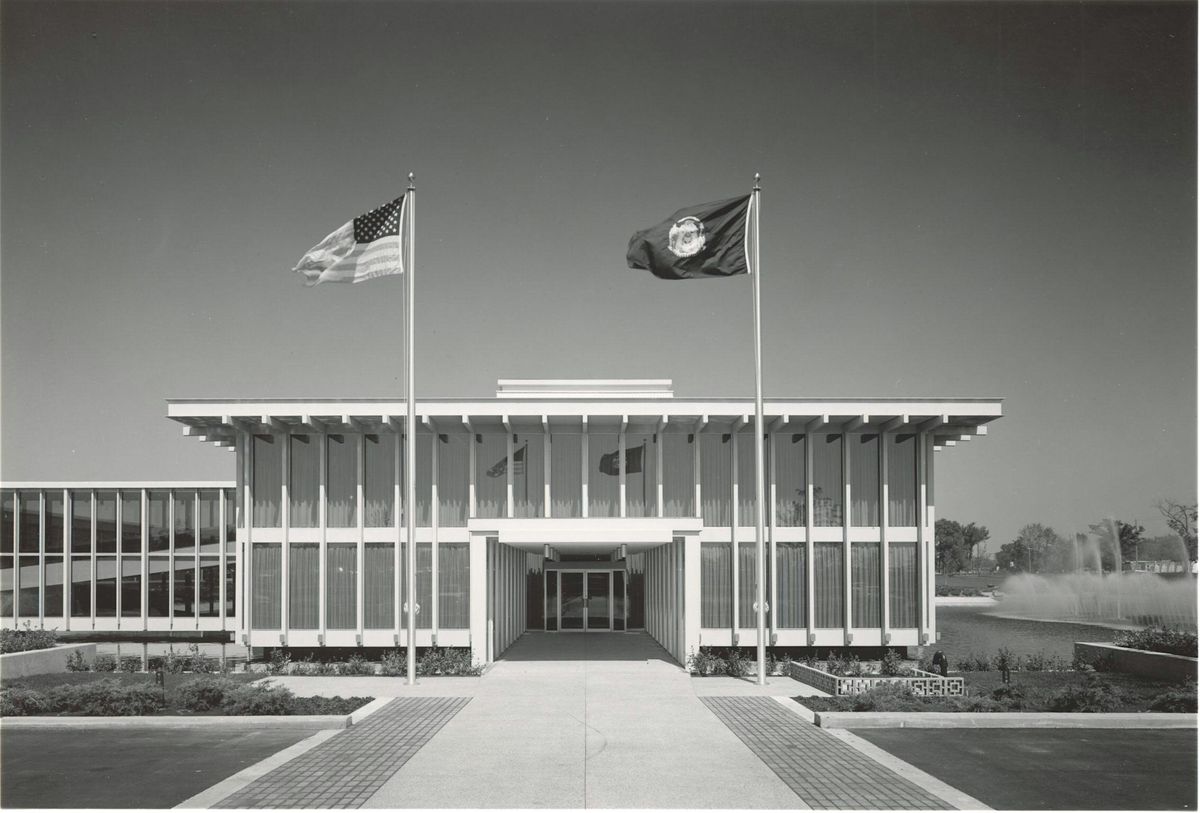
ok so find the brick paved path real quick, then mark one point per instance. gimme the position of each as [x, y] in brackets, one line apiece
[822, 770]
[345, 770]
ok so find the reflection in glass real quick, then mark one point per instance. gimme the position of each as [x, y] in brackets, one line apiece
[230, 587]
[106, 586]
[30, 522]
[158, 508]
[535, 601]
[53, 573]
[379, 478]
[454, 457]
[566, 483]
[158, 588]
[304, 463]
[230, 520]
[902, 482]
[6, 584]
[55, 512]
[81, 522]
[571, 616]
[789, 481]
[491, 474]
[864, 479]
[635, 573]
[131, 522]
[210, 587]
[604, 481]
[28, 603]
[185, 586]
[454, 585]
[551, 600]
[618, 588]
[8, 515]
[81, 587]
[185, 521]
[267, 481]
[827, 480]
[641, 481]
[106, 523]
[716, 481]
[209, 521]
[599, 608]
[131, 587]
[529, 476]
[679, 483]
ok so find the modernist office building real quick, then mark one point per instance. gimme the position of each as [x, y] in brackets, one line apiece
[557, 506]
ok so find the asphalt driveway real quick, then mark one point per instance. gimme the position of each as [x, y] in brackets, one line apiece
[1054, 769]
[131, 768]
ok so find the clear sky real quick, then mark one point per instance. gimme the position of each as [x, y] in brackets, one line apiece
[965, 199]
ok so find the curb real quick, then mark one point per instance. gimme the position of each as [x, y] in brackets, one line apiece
[1013, 719]
[180, 721]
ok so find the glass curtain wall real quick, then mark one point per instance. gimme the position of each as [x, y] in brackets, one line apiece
[304, 462]
[789, 481]
[641, 481]
[746, 482]
[715, 478]
[454, 585]
[828, 584]
[827, 480]
[304, 585]
[267, 481]
[864, 585]
[902, 481]
[679, 485]
[341, 481]
[529, 475]
[265, 573]
[535, 602]
[635, 589]
[379, 480]
[864, 480]
[491, 474]
[379, 585]
[902, 584]
[747, 584]
[453, 459]
[566, 480]
[792, 586]
[341, 587]
[603, 475]
[716, 585]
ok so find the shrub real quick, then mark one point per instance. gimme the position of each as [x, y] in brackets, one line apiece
[455, 662]
[394, 662]
[892, 665]
[27, 638]
[837, 664]
[1004, 660]
[1096, 695]
[76, 663]
[130, 663]
[203, 665]
[19, 701]
[705, 663]
[104, 663]
[776, 666]
[886, 697]
[975, 703]
[204, 693]
[326, 705]
[358, 665]
[972, 663]
[254, 698]
[1010, 695]
[736, 665]
[105, 698]
[1182, 699]
[279, 662]
[1170, 640]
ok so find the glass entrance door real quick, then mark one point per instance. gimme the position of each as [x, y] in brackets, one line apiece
[572, 606]
[599, 602]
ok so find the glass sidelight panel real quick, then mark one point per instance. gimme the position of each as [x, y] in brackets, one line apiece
[599, 603]
[572, 606]
[618, 599]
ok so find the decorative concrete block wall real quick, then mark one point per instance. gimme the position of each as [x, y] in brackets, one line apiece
[42, 661]
[923, 684]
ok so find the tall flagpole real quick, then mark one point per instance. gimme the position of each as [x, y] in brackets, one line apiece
[760, 559]
[410, 445]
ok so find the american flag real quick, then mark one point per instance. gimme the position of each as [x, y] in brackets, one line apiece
[367, 247]
[501, 466]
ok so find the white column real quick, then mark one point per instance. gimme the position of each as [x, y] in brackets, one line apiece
[930, 537]
[696, 471]
[922, 535]
[848, 605]
[41, 560]
[733, 533]
[490, 600]
[247, 441]
[196, 564]
[546, 469]
[397, 524]
[509, 465]
[221, 514]
[433, 548]
[471, 463]
[583, 456]
[621, 472]
[773, 559]
[285, 513]
[884, 520]
[322, 520]
[810, 546]
[478, 579]
[691, 594]
[361, 553]
[659, 440]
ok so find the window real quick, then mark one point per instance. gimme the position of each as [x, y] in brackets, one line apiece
[304, 469]
[341, 487]
[491, 474]
[185, 587]
[81, 587]
[641, 479]
[267, 481]
[55, 514]
[106, 586]
[131, 522]
[454, 585]
[566, 480]
[6, 579]
[81, 522]
[304, 587]
[747, 485]
[30, 522]
[864, 480]
[716, 585]
[106, 522]
[230, 587]
[185, 522]
[679, 477]
[424, 480]
[529, 476]
[716, 483]
[828, 584]
[902, 585]
[231, 524]
[789, 481]
[8, 516]
[902, 481]
[748, 584]
[603, 474]
[131, 586]
[341, 587]
[209, 521]
[158, 508]
[424, 586]
[864, 585]
[29, 589]
[453, 460]
[792, 587]
[379, 585]
[827, 480]
[265, 592]
[158, 587]
[379, 480]
[52, 573]
[210, 587]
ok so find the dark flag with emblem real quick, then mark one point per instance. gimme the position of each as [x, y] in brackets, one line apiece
[367, 247]
[501, 466]
[709, 240]
[633, 461]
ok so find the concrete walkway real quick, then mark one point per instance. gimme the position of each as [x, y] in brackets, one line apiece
[588, 720]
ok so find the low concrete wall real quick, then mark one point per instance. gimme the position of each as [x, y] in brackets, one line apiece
[965, 601]
[42, 661]
[924, 684]
[1156, 665]
[1001, 719]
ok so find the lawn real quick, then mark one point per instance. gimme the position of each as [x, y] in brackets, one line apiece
[1130, 694]
[172, 681]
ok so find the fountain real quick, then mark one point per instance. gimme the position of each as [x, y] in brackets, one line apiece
[1090, 596]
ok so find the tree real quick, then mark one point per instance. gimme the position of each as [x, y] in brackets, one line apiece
[955, 543]
[1116, 535]
[1181, 519]
[1031, 551]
